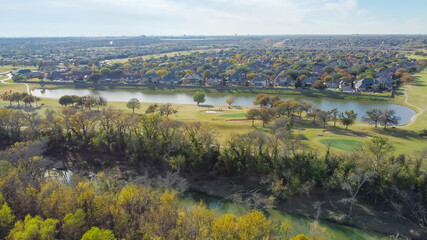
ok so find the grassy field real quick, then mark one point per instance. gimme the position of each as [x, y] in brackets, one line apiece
[170, 54]
[7, 68]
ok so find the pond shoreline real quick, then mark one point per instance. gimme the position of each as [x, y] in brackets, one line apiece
[360, 106]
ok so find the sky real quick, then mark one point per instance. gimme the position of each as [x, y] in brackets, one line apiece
[57, 18]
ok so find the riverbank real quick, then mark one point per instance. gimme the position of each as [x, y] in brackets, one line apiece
[377, 218]
[370, 218]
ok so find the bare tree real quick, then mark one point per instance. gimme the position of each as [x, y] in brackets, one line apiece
[353, 182]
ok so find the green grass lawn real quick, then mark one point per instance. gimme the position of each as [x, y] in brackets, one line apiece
[348, 145]
[7, 68]
[233, 115]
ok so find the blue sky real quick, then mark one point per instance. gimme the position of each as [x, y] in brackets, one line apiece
[25, 18]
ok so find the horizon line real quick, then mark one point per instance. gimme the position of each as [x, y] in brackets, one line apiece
[225, 35]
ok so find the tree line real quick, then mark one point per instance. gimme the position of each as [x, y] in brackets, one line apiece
[272, 108]
[17, 97]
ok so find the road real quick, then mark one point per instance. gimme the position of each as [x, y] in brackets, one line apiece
[9, 76]
[419, 110]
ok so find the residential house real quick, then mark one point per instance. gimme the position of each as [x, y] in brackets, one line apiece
[366, 85]
[260, 81]
[193, 79]
[214, 80]
[170, 79]
[333, 84]
[308, 82]
[150, 78]
[237, 79]
[283, 81]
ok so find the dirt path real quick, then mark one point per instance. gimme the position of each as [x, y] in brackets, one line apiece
[420, 111]
[10, 77]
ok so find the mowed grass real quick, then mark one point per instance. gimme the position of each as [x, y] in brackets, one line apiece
[8, 68]
[348, 145]
[234, 115]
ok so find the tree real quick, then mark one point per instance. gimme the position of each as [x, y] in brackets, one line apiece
[98, 234]
[133, 103]
[230, 100]
[262, 100]
[348, 118]
[66, 100]
[406, 78]
[327, 69]
[34, 228]
[333, 114]
[379, 147]
[199, 98]
[250, 76]
[90, 102]
[16, 97]
[162, 72]
[266, 115]
[252, 114]
[373, 116]
[74, 225]
[352, 182]
[100, 102]
[105, 71]
[152, 108]
[319, 85]
[7, 96]
[167, 109]
[389, 118]
[6, 217]
[314, 113]
[206, 74]
[28, 99]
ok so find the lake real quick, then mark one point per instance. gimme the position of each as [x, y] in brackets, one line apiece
[359, 106]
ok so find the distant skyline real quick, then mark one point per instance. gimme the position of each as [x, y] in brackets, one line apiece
[92, 18]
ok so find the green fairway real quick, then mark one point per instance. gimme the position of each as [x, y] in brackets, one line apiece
[343, 144]
[233, 115]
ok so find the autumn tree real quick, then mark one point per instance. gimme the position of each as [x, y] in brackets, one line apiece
[35, 227]
[133, 103]
[6, 217]
[98, 234]
[250, 76]
[319, 85]
[266, 115]
[162, 72]
[262, 100]
[230, 100]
